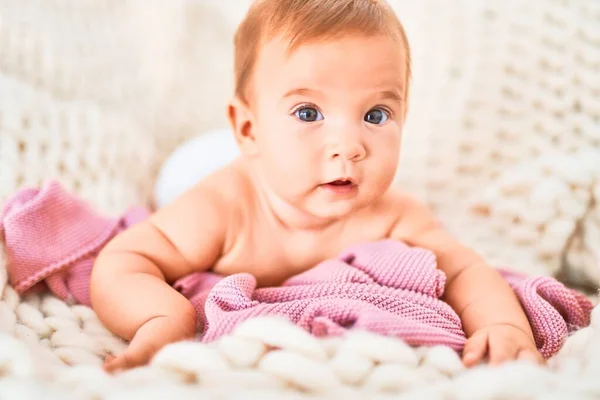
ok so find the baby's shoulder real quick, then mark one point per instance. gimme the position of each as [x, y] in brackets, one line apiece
[411, 215]
[226, 189]
[214, 205]
[395, 202]
[230, 182]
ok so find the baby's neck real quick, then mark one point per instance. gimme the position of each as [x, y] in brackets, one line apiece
[291, 218]
[286, 216]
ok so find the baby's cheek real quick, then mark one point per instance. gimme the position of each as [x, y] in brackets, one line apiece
[381, 179]
[382, 167]
[275, 146]
[385, 150]
[286, 160]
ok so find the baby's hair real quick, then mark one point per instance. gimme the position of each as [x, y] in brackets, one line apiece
[303, 21]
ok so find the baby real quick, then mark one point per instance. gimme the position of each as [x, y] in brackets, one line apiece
[320, 101]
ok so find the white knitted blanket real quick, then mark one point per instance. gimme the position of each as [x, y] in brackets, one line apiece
[503, 140]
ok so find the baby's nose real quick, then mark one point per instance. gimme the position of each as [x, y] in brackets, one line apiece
[349, 149]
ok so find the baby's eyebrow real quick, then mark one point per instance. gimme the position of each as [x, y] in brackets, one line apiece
[391, 95]
[301, 92]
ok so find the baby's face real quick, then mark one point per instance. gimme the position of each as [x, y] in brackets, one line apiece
[328, 120]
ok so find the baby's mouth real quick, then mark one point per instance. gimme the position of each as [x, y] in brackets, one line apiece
[340, 186]
[340, 183]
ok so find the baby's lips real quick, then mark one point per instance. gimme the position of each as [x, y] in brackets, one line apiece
[340, 183]
[343, 180]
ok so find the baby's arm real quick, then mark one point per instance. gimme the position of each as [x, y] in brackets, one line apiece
[492, 316]
[130, 283]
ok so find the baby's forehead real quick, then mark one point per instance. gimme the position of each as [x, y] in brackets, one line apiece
[285, 49]
[364, 60]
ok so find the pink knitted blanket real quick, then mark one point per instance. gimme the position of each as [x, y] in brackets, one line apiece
[52, 238]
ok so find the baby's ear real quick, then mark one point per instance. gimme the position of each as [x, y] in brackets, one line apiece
[242, 124]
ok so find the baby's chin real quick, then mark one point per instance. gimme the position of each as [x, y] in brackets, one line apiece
[335, 209]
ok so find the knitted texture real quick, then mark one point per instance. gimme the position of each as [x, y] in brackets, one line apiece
[383, 287]
[504, 109]
[498, 85]
[67, 234]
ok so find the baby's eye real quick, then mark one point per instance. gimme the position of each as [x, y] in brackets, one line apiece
[377, 116]
[308, 114]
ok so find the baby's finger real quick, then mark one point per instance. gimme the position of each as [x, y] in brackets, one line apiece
[109, 358]
[475, 349]
[502, 350]
[531, 356]
[124, 361]
[113, 364]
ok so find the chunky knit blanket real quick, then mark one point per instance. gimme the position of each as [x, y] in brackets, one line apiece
[384, 287]
[502, 140]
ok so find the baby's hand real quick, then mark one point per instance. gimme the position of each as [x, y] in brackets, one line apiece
[150, 338]
[500, 343]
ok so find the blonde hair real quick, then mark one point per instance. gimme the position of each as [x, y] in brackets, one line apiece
[303, 21]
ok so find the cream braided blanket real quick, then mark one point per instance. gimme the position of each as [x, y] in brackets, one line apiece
[504, 124]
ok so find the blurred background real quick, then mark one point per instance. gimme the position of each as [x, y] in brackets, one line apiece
[502, 137]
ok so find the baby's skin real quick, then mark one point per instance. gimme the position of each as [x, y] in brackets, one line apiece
[320, 138]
